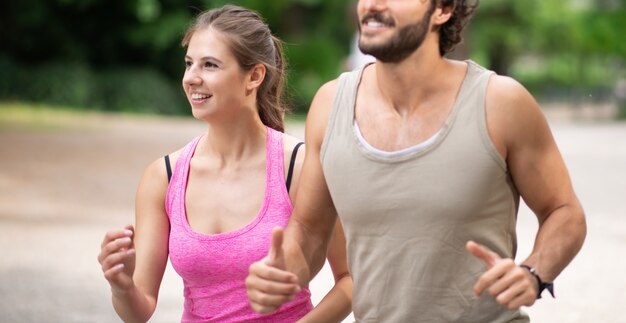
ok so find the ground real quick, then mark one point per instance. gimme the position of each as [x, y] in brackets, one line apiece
[66, 178]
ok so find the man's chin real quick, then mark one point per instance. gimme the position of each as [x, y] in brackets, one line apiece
[372, 48]
[378, 52]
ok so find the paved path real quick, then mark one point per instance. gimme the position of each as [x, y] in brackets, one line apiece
[62, 185]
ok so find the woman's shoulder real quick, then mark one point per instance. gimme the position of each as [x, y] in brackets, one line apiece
[295, 165]
[289, 146]
[157, 169]
[290, 142]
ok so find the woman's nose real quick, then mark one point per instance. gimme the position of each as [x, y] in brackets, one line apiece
[191, 77]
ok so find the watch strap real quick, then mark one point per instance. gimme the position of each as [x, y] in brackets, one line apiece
[542, 285]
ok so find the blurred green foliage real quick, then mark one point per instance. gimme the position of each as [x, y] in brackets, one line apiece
[126, 55]
[566, 50]
[130, 89]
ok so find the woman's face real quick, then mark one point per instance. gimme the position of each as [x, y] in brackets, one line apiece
[214, 82]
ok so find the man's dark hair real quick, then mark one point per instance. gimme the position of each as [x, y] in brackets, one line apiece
[450, 32]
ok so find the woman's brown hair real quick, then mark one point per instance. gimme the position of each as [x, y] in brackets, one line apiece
[251, 42]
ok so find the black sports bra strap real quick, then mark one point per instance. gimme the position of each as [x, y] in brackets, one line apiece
[168, 167]
[291, 163]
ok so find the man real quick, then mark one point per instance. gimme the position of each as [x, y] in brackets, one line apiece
[424, 160]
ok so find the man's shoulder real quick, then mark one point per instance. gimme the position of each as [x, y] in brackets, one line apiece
[326, 92]
[511, 110]
[505, 90]
[319, 112]
[329, 89]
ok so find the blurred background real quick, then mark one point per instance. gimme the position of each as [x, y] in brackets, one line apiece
[90, 94]
[126, 55]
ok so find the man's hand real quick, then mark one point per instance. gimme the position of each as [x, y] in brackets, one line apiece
[269, 285]
[511, 285]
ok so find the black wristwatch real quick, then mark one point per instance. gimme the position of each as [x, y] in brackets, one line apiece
[542, 285]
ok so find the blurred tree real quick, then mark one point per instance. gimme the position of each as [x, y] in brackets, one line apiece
[146, 33]
[496, 32]
[316, 40]
[563, 42]
[570, 48]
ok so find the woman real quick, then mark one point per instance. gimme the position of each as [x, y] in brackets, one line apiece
[229, 188]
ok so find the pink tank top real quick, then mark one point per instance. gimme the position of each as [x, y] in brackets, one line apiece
[214, 266]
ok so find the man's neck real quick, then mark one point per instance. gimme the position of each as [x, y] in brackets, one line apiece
[407, 83]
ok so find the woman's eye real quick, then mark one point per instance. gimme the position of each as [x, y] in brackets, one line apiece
[187, 63]
[209, 65]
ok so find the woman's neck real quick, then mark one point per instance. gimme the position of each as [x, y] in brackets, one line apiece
[233, 141]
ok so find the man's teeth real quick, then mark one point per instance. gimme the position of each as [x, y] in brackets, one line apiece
[375, 24]
[197, 96]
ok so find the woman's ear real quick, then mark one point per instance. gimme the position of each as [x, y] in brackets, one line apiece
[255, 77]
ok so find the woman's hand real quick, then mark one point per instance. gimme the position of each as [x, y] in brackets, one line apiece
[117, 257]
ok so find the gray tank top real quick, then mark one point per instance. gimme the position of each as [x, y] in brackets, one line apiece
[408, 217]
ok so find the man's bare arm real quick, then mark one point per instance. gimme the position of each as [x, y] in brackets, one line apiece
[521, 134]
[314, 216]
[542, 180]
[305, 242]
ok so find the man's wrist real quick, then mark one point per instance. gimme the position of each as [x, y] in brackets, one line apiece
[540, 283]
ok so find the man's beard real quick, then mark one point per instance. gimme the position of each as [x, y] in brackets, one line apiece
[402, 44]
